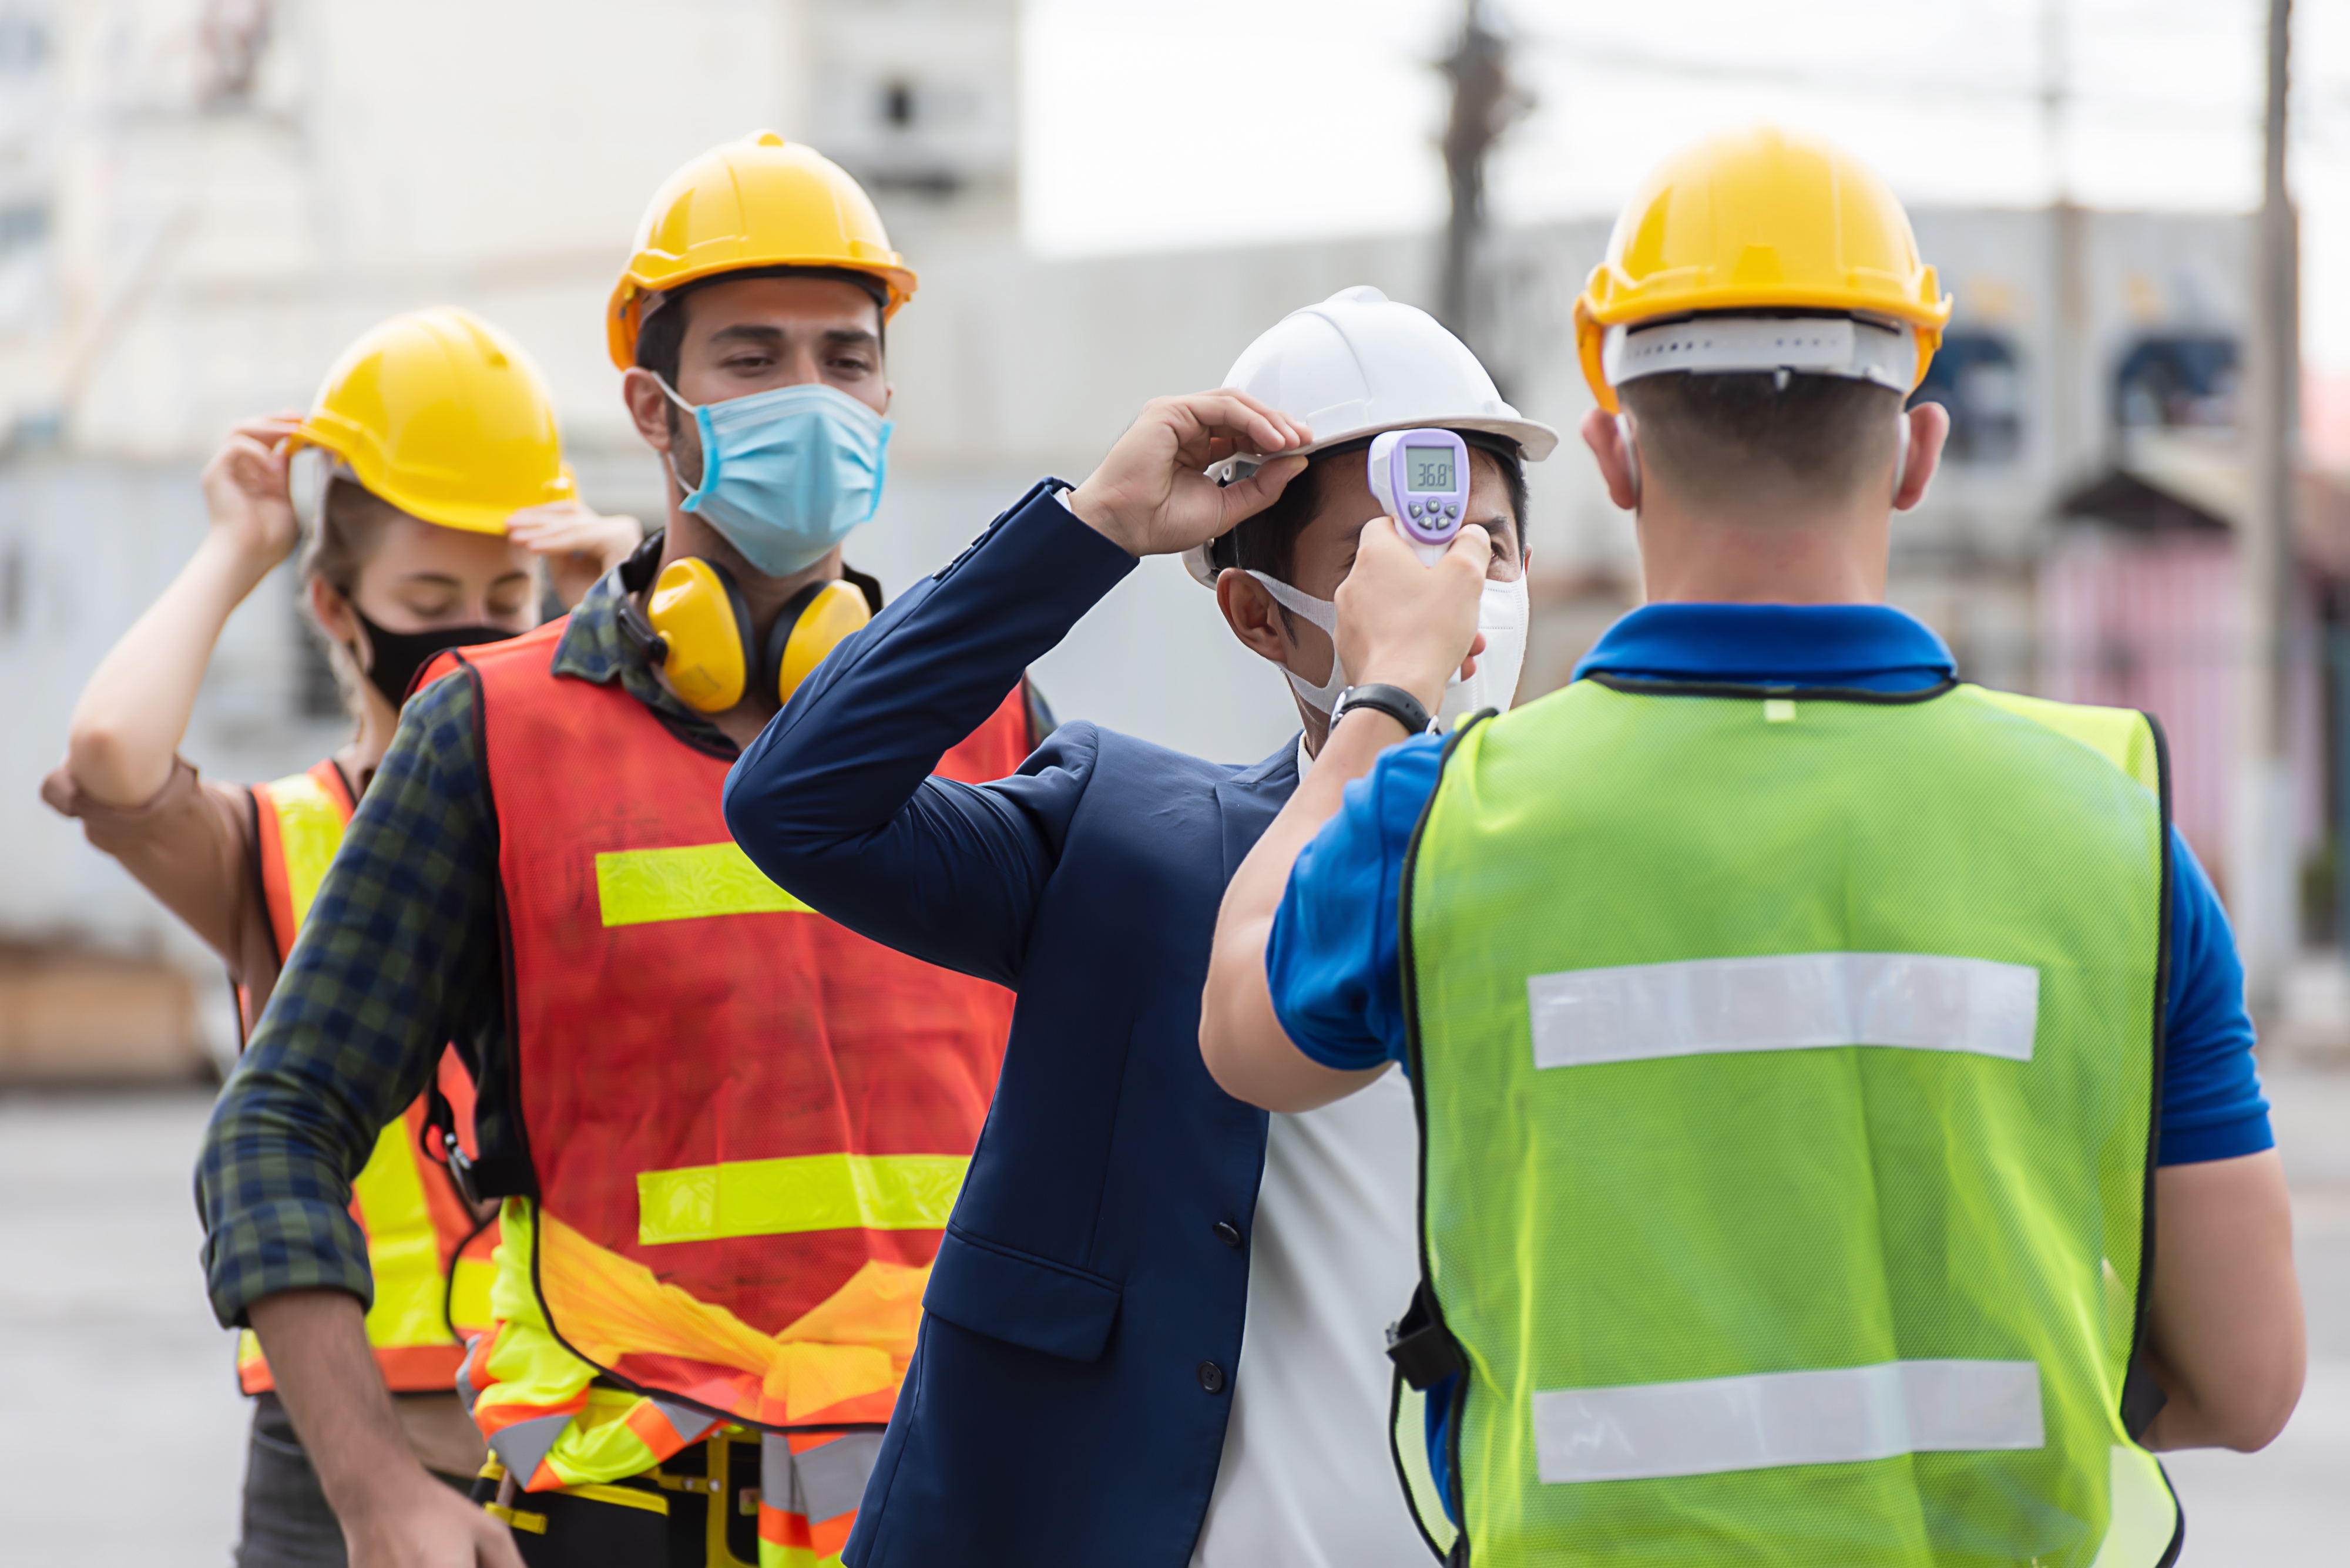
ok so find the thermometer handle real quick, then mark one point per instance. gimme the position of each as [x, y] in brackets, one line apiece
[1429, 553]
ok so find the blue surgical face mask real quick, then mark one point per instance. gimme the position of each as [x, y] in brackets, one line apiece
[786, 474]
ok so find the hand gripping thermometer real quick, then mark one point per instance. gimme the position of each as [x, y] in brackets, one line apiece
[1421, 477]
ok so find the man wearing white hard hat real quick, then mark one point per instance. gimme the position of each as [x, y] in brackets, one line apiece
[1154, 1334]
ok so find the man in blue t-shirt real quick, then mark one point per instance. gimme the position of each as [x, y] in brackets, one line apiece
[1763, 493]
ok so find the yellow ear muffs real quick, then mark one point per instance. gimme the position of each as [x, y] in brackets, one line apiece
[697, 633]
[813, 624]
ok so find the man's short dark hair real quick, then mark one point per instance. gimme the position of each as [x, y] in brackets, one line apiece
[1267, 542]
[660, 335]
[1716, 436]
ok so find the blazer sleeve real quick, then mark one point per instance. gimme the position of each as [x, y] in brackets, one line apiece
[836, 800]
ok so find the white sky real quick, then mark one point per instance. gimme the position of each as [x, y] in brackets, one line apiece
[1148, 126]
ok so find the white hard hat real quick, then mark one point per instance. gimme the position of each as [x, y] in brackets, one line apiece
[1360, 363]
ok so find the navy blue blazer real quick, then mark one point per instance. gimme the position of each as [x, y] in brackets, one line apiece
[1067, 1401]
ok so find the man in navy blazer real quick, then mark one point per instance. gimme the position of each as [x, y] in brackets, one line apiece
[1073, 1398]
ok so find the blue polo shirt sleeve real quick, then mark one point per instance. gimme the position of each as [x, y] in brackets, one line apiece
[1333, 961]
[2211, 1103]
[1334, 967]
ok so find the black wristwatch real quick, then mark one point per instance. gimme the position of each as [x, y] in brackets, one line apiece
[1393, 701]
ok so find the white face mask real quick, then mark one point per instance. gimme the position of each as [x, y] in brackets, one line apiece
[1324, 614]
[1502, 611]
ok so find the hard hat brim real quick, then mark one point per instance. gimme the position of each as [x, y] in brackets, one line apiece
[444, 511]
[1536, 441]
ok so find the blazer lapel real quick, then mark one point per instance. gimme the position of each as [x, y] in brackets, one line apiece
[1249, 801]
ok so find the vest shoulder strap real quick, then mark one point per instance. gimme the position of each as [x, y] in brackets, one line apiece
[2129, 738]
[299, 822]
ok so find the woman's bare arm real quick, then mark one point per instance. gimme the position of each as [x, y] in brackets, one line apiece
[127, 725]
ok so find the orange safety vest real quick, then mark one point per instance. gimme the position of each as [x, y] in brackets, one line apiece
[745, 1125]
[431, 1257]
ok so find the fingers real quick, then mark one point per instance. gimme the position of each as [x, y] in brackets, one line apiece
[493, 1546]
[1472, 550]
[252, 463]
[1468, 665]
[269, 431]
[1252, 426]
[497, 1547]
[1247, 498]
[556, 525]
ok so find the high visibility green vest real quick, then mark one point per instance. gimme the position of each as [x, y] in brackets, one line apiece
[1786, 1068]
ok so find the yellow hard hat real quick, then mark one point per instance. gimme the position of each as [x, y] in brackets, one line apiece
[759, 202]
[1759, 219]
[445, 417]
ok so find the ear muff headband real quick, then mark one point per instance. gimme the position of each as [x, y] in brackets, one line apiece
[816, 621]
[695, 629]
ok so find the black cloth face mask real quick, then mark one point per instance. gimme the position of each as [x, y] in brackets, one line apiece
[399, 655]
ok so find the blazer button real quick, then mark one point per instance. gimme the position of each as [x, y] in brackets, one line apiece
[1211, 1377]
[1228, 1233]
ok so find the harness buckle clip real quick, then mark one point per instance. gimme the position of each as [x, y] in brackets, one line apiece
[1421, 1347]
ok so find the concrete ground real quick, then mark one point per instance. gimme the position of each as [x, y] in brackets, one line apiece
[122, 1435]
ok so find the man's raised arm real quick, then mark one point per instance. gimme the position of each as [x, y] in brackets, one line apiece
[836, 800]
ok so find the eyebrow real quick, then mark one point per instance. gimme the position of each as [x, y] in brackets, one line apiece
[756, 332]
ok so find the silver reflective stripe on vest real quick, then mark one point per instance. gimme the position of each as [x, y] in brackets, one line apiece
[819, 1483]
[1773, 1418]
[1792, 1002]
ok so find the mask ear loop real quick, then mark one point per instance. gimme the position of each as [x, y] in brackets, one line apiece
[702, 433]
[1631, 455]
[1900, 449]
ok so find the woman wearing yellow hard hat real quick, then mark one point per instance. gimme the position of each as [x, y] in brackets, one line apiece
[426, 487]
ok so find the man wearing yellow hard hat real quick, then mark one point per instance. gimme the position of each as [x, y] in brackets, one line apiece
[418, 486]
[1841, 1142]
[725, 1132]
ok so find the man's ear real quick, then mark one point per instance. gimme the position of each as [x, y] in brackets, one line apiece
[1251, 613]
[1620, 468]
[1930, 429]
[649, 407]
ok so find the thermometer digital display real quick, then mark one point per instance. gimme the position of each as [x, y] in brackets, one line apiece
[1421, 478]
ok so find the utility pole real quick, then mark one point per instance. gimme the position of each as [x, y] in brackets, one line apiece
[2071, 439]
[2265, 886]
[1484, 105]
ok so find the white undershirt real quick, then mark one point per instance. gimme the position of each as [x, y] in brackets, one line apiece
[1306, 1480]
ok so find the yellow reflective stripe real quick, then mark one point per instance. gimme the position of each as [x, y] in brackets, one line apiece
[809, 1193]
[516, 1518]
[637, 887]
[2121, 735]
[623, 1496]
[309, 830]
[403, 1252]
[469, 1292]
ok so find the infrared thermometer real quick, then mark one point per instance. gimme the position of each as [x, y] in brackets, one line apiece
[1421, 477]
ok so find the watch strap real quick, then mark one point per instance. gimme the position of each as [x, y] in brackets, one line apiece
[1393, 701]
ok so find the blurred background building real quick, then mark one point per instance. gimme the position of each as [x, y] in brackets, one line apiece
[203, 201]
